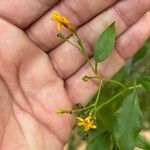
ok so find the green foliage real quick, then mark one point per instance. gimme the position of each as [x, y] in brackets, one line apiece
[107, 119]
[142, 52]
[118, 116]
[127, 122]
[120, 76]
[72, 144]
[105, 44]
[100, 142]
[101, 128]
[145, 81]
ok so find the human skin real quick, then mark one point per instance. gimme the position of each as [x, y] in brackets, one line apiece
[39, 74]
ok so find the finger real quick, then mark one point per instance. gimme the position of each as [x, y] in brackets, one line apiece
[67, 59]
[32, 81]
[23, 12]
[78, 12]
[5, 107]
[127, 45]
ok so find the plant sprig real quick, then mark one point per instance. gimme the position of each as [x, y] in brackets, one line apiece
[129, 105]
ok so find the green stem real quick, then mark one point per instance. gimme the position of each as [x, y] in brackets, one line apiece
[133, 87]
[66, 40]
[108, 80]
[98, 94]
[90, 64]
[79, 110]
[84, 53]
[72, 44]
[117, 95]
[111, 99]
[96, 68]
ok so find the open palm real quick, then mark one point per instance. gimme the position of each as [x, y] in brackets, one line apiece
[39, 74]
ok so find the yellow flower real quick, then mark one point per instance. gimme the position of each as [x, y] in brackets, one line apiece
[61, 20]
[87, 123]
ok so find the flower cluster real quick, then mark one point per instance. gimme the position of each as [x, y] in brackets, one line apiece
[87, 123]
[61, 21]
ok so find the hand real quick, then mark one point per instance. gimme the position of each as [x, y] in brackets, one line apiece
[39, 75]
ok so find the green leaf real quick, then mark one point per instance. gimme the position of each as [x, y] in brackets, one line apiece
[101, 128]
[105, 44]
[105, 118]
[145, 81]
[143, 143]
[127, 122]
[100, 142]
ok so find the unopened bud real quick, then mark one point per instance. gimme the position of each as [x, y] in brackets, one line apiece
[60, 111]
[61, 36]
[86, 78]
